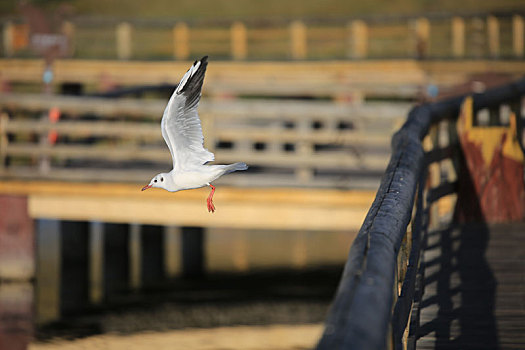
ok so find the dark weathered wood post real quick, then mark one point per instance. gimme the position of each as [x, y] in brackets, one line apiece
[116, 260]
[192, 252]
[152, 265]
[74, 266]
[48, 272]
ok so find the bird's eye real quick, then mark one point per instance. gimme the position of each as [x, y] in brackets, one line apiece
[155, 180]
[161, 179]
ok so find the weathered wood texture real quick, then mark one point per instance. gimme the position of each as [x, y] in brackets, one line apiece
[474, 288]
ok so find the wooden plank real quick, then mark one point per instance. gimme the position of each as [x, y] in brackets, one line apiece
[339, 160]
[334, 137]
[75, 106]
[298, 43]
[123, 35]
[292, 196]
[238, 34]
[181, 34]
[237, 208]
[359, 32]
[134, 72]
[151, 131]
[493, 36]
[8, 32]
[246, 109]
[458, 37]
[335, 159]
[422, 32]
[518, 36]
[78, 128]
[241, 214]
[305, 149]
[88, 152]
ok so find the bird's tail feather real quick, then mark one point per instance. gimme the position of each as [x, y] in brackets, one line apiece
[235, 166]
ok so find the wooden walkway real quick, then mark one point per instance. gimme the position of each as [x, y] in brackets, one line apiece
[474, 295]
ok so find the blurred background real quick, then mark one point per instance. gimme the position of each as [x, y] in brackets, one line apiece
[308, 93]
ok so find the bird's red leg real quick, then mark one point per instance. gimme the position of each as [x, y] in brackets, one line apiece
[209, 201]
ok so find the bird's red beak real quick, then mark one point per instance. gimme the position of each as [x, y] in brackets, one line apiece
[146, 187]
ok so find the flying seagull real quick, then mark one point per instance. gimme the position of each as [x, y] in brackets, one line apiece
[182, 131]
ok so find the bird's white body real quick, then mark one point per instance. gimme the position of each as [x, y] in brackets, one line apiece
[182, 131]
[193, 178]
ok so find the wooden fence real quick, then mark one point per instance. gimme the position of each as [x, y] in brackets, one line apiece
[479, 35]
[308, 143]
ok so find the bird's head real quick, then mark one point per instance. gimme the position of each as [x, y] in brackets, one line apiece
[159, 181]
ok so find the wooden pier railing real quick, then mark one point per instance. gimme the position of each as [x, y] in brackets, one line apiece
[300, 143]
[378, 300]
[473, 35]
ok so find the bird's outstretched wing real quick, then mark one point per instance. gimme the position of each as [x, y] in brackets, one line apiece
[181, 126]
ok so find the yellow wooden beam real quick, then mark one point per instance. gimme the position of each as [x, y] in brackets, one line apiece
[261, 208]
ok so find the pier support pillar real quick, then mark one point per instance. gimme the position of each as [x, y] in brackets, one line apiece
[115, 260]
[74, 276]
[152, 243]
[192, 252]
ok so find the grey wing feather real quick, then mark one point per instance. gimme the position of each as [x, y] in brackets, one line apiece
[181, 126]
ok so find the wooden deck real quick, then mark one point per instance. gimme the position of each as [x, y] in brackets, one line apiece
[474, 296]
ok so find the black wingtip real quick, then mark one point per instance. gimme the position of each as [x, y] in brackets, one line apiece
[192, 88]
[202, 60]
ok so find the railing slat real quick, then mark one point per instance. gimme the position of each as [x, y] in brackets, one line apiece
[518, 35]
